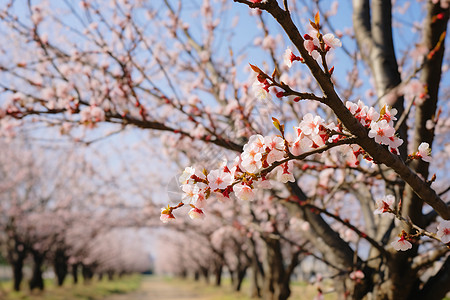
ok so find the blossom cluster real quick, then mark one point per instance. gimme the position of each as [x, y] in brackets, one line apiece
[271, 157]
[381, 124]
[262, 157]
[313, 45]
[387, 205]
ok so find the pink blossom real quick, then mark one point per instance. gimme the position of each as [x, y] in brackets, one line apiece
[274, 142]
[166, 215]
[251, 161]
[394, 143]
[92, 114]
[261, 91]
[276, 146]
[372, 115]
[284, 172]
[301, 145]
[416, 90]
[200, 200]
[187, 173]
[263, 183]
[196, 213]
[381, 131]
[352, 107]
[389, 115]
[331, 40]
[424, 152]
[274, 155]
[219, 179]
[257, 141]
[252, 155]
[289, 57]
[310, 124]
[243, 192]
[356, 275]
[401, 244]
[385, 204]
[97, 114]
[443, 232]
[311, 48]
[191, 192]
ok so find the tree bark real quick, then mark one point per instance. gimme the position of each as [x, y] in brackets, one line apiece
[437, 286]
[17, 268]
[374, 36]
[257, 272]
[60, 266]
[218, 274]
[36, 281]
[87, 273]
[276, 281]
[75, 273]
[239, 277]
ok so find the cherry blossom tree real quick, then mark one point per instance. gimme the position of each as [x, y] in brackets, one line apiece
[120, 65]
[55, 211]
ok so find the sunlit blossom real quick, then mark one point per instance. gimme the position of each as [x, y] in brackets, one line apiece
[384, 205]
[381, 132]
[443, 232]
[261, 91]
[244, 192]
[424, 152]
[331, 40]
[166, 215]
[401, 244]
[187, 173]
[196, 213]
[219, 179]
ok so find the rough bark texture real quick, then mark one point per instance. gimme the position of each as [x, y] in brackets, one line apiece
[374, 35]
[276, 281]
[379, 153]
[392, 276]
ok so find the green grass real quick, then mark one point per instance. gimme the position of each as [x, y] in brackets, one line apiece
[90, 291]
[212, 292]
[299, 290]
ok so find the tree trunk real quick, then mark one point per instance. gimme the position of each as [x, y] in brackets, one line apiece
[75, 273]
[60, 266]
[16, 254]
[110, 274]
[256, 278]
[218, 274]
[276, 283]
[87, 273]
[17, 268]
[239, 277]
[205, 273]
[36, 281]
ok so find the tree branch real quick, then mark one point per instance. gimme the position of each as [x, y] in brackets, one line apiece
[379, 153]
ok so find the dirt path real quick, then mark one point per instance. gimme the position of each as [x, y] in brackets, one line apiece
[153, 288]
